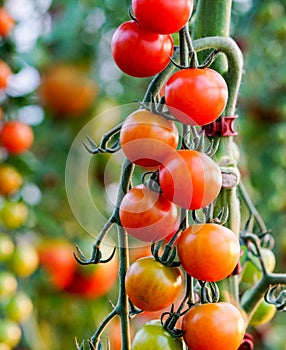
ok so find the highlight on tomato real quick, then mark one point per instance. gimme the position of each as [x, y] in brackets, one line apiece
[25, 260]
[140, 53]
[19, 307]
[6, 22]
[10, 179]
[196, 96]
[147, 215]
[190, 179]
[214, 326]
[8, 284]
[7, 247]
[153, 336]
[152, 286]
[147, 138]
[161, 16]
[10, 333]
[208, 252]
[16, 136]
[5, 73]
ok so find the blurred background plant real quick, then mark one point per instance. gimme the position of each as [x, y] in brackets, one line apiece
[61, 75]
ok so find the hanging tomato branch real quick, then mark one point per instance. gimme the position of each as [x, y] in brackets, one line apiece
[187, 208]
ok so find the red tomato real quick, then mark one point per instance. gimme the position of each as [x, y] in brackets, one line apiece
[152, 286]
[213, 327]
[146, 138]
[6, 22]
[5, 73]
[147, 215]
[139, 53]
[93, 281]
[16, 137]
[56, 257]
[161, 16]
[190, 179]
[208, 252]
[196, 96]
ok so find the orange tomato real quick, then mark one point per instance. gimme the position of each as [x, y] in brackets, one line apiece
[5, 73]
[10, 179]
[67, 90]
[214, 326]
[6, 22]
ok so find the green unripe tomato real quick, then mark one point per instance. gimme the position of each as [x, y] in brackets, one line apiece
[10, 333]
[153, 336]
[263, 314]
[19, 307]
[251, 274]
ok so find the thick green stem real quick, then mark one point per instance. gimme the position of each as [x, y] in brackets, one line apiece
[213, 18]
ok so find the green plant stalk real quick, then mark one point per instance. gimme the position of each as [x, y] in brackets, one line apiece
[258, 291]
[213, 19]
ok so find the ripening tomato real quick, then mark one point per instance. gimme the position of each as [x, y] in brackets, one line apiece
[24, 260]
[10, 179]
[152, 286]
[147, 138]
[16, 137]
[5, 73]
[214, 326]
[140, 53]
[153, 336]
[190, 179]
[67, 90]
[208, 252]
[56, 257]
[147, 215]
[161, 16]
[196, 96]
[14, 214]
[6, 22]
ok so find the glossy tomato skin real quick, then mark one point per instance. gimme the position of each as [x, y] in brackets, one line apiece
[147, 215]
[16, 137]
[147, 138]
[190, 179]
[196, 96]
[208, 252]
[151, 286]
[139, 53]
[214, 326]
[153, 336]
[161, 16]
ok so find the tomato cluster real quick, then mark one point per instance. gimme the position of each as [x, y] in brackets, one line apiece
[182, 178]
[142, 47]
[19, 258]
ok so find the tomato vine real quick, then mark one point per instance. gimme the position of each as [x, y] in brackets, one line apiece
[206, 289]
